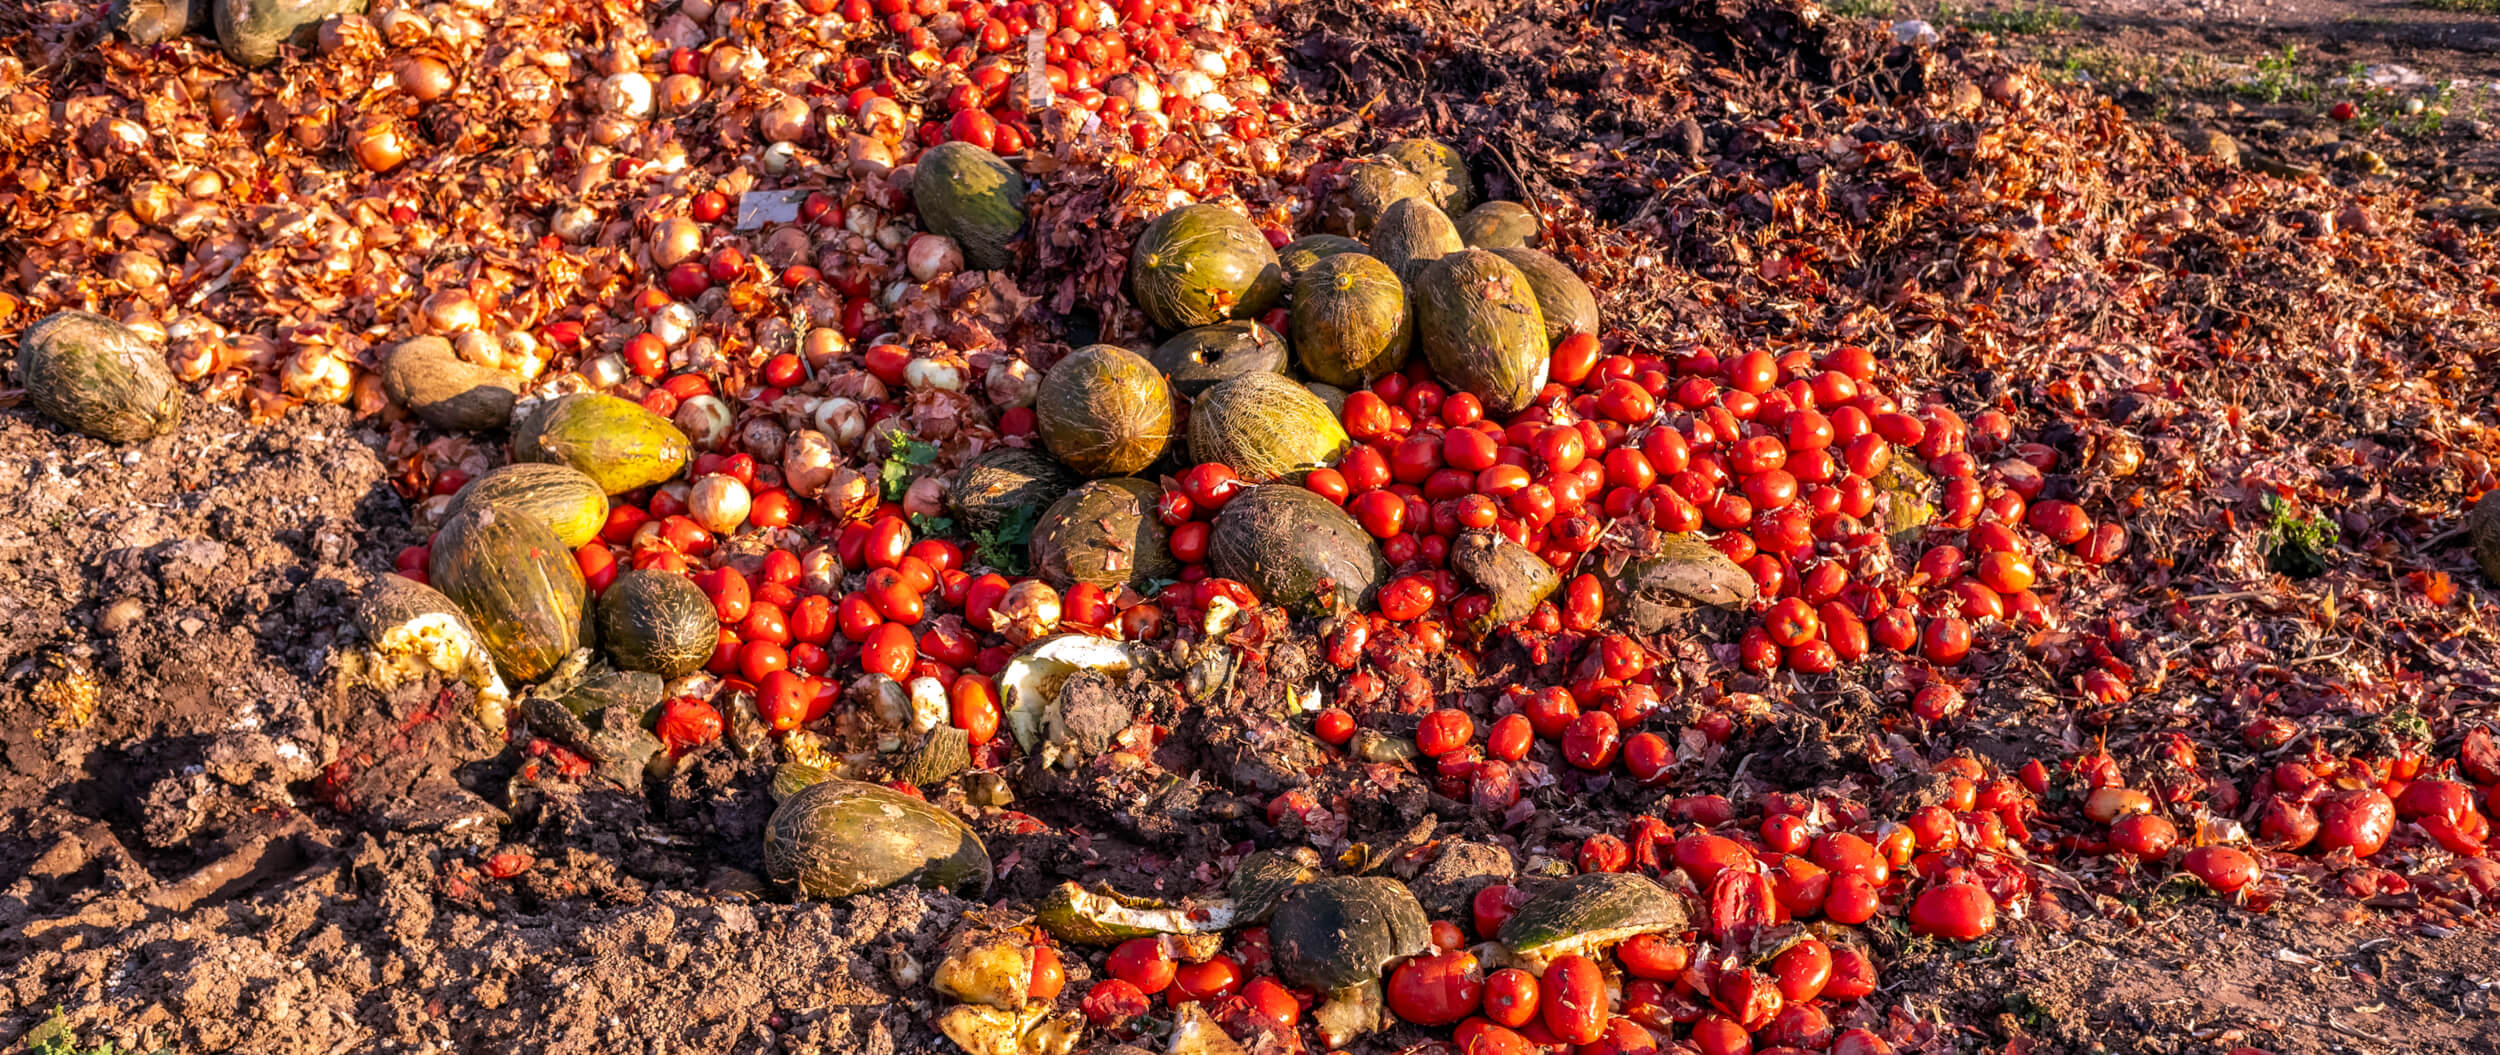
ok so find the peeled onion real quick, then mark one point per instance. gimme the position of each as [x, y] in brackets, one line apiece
[451, 311]
[719, 503]
[626, 94]
[706, 421]
[807, 462]
[931, 256]
[1030, 610]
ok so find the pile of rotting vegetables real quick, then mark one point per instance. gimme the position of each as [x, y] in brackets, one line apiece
[1528, 528]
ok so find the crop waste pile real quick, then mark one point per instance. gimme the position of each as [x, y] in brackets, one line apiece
[1197, 527]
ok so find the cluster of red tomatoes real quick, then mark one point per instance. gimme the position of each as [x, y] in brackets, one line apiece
[1782, 463]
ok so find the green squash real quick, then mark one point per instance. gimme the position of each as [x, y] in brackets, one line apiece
[1561, 298]
[972, 196]
[1352, 323]
[1104, 410]
[518, 585]
[658, 621]
[569, 503]
[613, 441]
[1477, 319]
[1202, 264]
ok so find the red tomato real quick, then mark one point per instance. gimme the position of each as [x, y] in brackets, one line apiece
[1436, 990]
[1406, 598]
[1444, 731]
[2223, 868]
[1327, 483]
[889, 650]
[1960, 911]
[1572, 999]
[782, 698]
[1510, 997]
[1212, 979]
[1144, 963]
[1654, 956]
[1803, 970]
[1590, 741]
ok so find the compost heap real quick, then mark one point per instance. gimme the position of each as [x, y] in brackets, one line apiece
[1573, 543]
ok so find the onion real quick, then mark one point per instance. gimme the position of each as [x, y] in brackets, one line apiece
[785, 119]
[842, 419]
[785, 248]
[479, 347]
[1209, 62]
[894, 236]
[883, 118]
[425, 77]
[807, 462]
[928, 704]
[1141, 93]
[609, 130]
[626, 94]
[869, 157]
[821, 347]
[154, 200]
[192, 359]
[862, 221]
[728, 63]
[451, 310]
[1215, 104]
[315, 376]
[679, 92]
[706, 421]
[404, 27]
[380, 148]
[135, 270]
[778, 157]
[719, 503]
[1012, 383]
[762, 439]
[676, 241]
[925, 497]
[699, 10]
[931, 256]
[1030, 610]
[945, 374]
[1188, 84]
[604, 371]
[673, 324]
[820, 571]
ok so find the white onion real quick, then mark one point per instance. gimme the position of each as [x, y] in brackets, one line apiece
[719, 503]
[762, 439]
[673, 323]
[946, 375]
[842, 419]
[578, 224]
[1012, 383]
[931, 256]
[1141, 93]
[807, 462]
[1209, 61]
[778, 157]
[893, 236]
[820, 571]
[928, 704]
[604, 371]
[784, 119]
[1215, 104]
[1189, 84]
[675, 241]
[626, 94]
[451, 310]
[706, 421]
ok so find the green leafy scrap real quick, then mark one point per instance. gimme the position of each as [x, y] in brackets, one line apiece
[904, 456]
[1002, 547]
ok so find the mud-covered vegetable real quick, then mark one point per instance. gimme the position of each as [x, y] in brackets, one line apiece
[837, 837]
[1589, 912]
[97, 376]
[1104, 533]
[1296, 549]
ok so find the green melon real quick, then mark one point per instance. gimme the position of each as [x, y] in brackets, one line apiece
[569, 503]
[1411, 234]
[97, 376]
[1264, 426]
[1365, 189]
[972, 196]
[1561, 298]
[517, 583]
[1441, 168]
[1199, 359]
[1351, 321]
[1202, 264]
[1104, 410]
[658, 621]
[1476, 317]
[1104, 533]
[1298, 255]
[1501, 225]
[613, 441]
